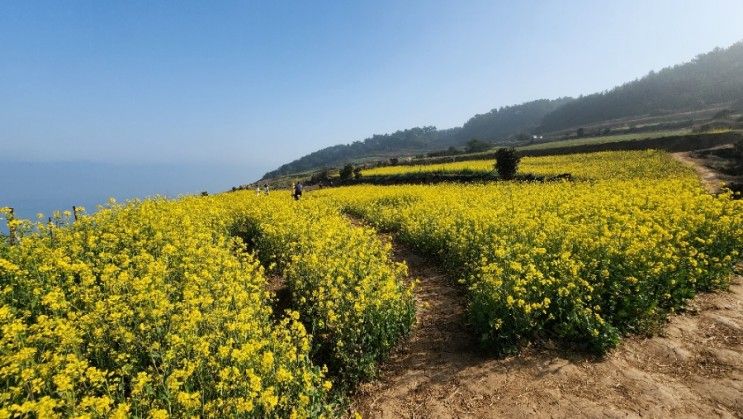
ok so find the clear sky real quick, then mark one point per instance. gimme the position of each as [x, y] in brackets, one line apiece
[261, 83]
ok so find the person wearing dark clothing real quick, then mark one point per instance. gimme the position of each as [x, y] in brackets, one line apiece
[297, 191]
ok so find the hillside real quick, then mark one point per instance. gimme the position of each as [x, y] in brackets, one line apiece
[672, 95]
[711, 78]
[498, 123]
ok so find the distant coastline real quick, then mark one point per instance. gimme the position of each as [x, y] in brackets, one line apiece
[43, 187]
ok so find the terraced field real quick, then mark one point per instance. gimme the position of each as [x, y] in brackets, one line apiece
[238, 304]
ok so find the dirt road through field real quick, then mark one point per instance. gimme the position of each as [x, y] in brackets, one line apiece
[693, 368]
[439, 347]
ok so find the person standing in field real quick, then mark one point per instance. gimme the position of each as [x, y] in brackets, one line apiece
[257, 191]
[265, 188]
[297, 191]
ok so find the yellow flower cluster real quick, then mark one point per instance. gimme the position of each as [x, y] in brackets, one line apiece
[156, 308]
[581, 261]
[340, 277]
[148, 309]
[471, 165]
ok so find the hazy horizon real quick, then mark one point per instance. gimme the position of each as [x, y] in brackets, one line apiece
[44, 187]
[251, 86]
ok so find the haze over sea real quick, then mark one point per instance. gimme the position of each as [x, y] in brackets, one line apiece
[42, 187]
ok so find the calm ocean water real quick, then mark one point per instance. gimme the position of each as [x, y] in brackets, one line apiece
[32, 188]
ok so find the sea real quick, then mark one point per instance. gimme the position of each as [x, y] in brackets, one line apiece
[35, 189]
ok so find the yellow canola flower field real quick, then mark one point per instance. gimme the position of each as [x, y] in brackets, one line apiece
[581, 262]
[471, 165]
[160, 308]
[156, 309]
[340, 277]
[593, 166]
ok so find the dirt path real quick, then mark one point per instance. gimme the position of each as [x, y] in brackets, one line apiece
[694, 368]
[416, 380]
[711, 180]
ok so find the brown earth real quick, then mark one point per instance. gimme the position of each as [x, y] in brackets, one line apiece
[693, 368]
[711, 180]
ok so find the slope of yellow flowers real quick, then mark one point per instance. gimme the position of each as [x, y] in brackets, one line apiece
[155, 309]
[340, 277]
[582, 262]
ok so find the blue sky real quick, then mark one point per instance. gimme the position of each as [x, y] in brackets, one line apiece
[257, 84]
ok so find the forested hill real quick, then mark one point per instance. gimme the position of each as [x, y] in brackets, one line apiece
[496, 124]
[712, 78]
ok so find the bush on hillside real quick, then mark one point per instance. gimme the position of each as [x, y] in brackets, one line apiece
[475, 146]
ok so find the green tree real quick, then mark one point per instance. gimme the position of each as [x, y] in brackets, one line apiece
[474, 146]
[507, 163]
[321, 177]
[346, 172]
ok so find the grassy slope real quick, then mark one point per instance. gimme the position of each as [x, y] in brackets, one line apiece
[604, 139]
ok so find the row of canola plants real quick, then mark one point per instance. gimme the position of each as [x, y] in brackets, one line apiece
[158, 309]
[581, 262]
[595, 166]
[161, 308]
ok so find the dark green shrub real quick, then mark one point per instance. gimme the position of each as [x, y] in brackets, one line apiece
[346, 172]
[475, 146]
[507, 163]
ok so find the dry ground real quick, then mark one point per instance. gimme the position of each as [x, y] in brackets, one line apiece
[712, 181]
[694, 368]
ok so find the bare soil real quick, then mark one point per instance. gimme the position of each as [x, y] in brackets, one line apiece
[694, 368]
[712, 180]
